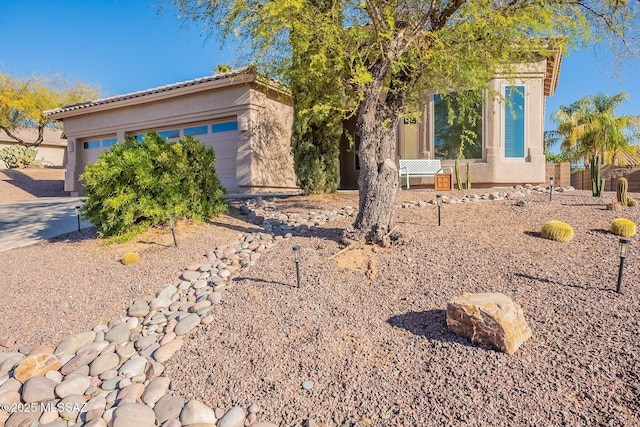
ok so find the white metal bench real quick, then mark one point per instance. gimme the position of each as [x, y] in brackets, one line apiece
[420, 168]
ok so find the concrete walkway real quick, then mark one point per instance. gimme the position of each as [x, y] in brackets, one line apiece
[32, 221]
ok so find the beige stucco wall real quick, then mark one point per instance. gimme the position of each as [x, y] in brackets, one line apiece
[263, 158]
[52, 149]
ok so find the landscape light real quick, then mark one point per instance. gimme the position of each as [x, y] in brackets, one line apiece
[624, 252]
[296, 258]
[172, 226]
[551, 180]
[78, 216]
[439, 203]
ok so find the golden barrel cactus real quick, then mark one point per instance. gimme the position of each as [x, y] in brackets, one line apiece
[558, 231]
[623, 227]
[130, 258]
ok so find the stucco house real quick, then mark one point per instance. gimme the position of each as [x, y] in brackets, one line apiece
[245, 118]
[52, 150]
[248, 120]
[509, 144]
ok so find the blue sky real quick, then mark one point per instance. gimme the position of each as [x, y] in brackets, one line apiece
[127, 45]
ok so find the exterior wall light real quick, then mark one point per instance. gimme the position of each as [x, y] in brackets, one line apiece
[551, 181]
[624, 252]
[172, 226]
[439, 203]
[296, 258]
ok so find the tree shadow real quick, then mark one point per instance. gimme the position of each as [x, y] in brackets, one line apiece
[567, 285]
[36, 187]
[533, 234]
[431, 324]
[268, 282]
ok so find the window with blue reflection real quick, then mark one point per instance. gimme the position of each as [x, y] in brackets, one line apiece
[197, 130]
[109, 142]
[95, 143]
[514, 122]
[174, 133]
[225, 127]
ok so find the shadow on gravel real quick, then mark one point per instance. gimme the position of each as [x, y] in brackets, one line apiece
[553, 282]
[37, 188]
[430, 324]
[255, 279]
[533, 234]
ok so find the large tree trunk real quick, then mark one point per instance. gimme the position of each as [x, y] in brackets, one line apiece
[378, 181]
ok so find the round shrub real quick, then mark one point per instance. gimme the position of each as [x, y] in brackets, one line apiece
[623, 227]
[143, 183]
[558, 231]
[130, 258]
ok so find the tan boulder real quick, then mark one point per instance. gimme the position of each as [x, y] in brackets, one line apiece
[36, 366]
[489, 318]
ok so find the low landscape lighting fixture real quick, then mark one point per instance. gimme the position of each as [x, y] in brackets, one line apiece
[624, 252]
[78, 216]
[172, 226]
[296, 258]
[439, 203]
[551, 181]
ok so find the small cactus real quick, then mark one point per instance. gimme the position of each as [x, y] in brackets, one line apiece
[622, 193]
[130, 258]
[468, 176]
[522, 202]
[597, 183]
[558, 231]
[456, 167]
[623, 227]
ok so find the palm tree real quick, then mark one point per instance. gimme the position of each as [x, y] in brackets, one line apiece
[589, 127]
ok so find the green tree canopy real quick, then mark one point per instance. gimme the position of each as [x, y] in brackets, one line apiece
[385, 55]
[24, 100]
[590, 126]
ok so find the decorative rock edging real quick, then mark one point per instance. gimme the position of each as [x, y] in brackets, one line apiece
[112, 375]
[516, 193]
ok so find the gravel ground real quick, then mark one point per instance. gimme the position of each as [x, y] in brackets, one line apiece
[368, 327]
[25, 184]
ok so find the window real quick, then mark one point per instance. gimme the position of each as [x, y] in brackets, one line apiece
[224, 127]
[197, 130]
[168, 134]
[457, 124]
[514, 121]
[109, 142]
[94, 143]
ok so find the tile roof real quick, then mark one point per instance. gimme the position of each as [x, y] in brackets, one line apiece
[160, 89]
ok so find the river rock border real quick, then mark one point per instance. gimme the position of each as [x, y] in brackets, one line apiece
[112, 375]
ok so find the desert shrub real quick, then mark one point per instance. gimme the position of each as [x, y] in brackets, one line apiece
[138, 184]
[18, 156]
[130, 258]
[558, 231]
[623, 227]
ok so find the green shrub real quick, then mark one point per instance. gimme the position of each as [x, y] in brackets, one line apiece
[18, 156]
[558, 231]
[623, 227]
[138, 184]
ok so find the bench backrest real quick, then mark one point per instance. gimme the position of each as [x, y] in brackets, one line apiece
[421, 166]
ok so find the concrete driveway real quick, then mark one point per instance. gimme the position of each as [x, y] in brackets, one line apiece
[28, 222]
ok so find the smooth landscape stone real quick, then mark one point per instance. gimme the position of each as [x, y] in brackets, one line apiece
[234, 417]
[155, 390]
[172, 423]
[130, 393]
[147, 352]
[167, 292]
[138, 309]
[133, 367]
[159, 303]
[489, 318]
[107, 375]
[111, 384]
[49, 417]
[145, 342]
[40, 349]
[125, 351]
[38, 389]
[168, 407]
[102, 363]
[72, 384]
[308, 385]
[70, 407]
[186, 324]
[83, 358]
[96, 422]
[36, 366]
[10, 384]
[74, 342]
[191, 276]
[195, 412]
[10, 362]
[97, 345]
[168, 337]
[119, 333]
[19, 419]
[166, 351]
[200, 306]
[153, 370]
[265, 424]
[133, 414]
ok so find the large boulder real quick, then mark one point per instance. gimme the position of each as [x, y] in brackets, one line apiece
[489, 318]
